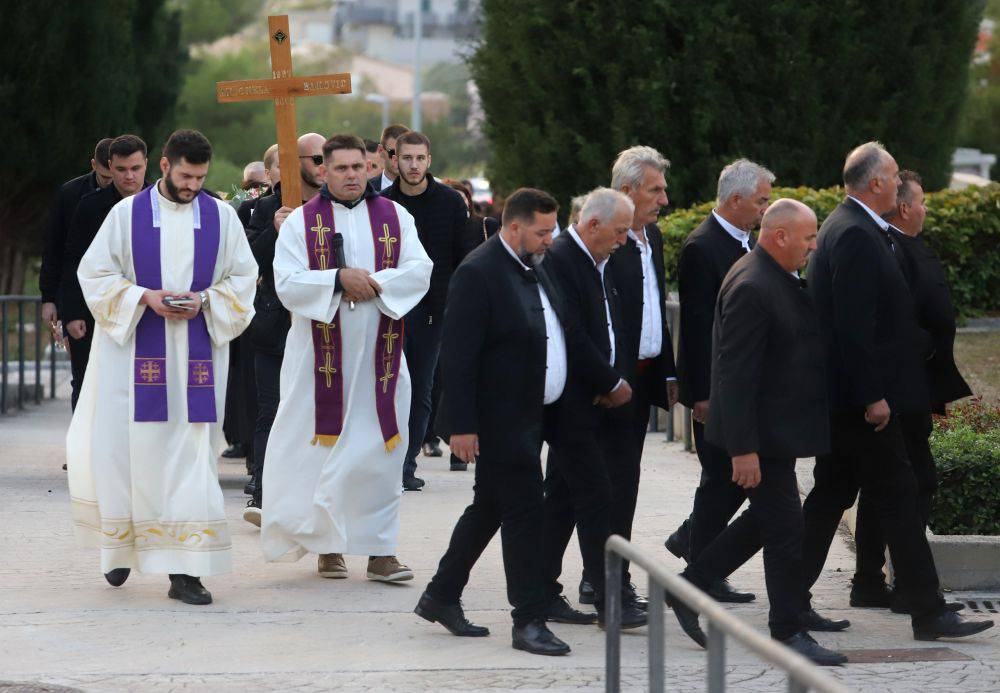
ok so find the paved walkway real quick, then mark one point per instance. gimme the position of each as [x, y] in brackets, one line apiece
[281, 627]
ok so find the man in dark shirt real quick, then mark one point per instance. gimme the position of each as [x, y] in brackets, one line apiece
[442, 218]
[128, 171]
[66, 199]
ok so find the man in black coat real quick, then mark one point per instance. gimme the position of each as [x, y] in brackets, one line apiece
[744, 192]
[583, 475]
[504, 359]
[637, 271]
[875, 352]
[768, 408]
[442, 220]
[386, 151]
[929, 286]
[127, 162]
[57, 228]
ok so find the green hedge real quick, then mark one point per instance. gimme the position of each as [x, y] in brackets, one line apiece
[962, 226]
[966, 447]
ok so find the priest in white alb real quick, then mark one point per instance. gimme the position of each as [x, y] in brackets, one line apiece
[170, 280]
[348, 265]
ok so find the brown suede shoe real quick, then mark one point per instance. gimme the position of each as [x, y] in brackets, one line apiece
[387, 569]
[331, 565]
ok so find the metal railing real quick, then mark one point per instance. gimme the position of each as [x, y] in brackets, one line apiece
[802, 674]
[14, 318]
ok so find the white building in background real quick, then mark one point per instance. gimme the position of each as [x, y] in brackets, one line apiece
[384, 29]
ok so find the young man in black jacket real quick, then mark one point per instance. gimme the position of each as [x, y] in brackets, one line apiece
[127, 162]
[442, 220]
[768, 408]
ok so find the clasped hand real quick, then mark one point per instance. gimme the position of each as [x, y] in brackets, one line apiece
[358, 284]
[153, 298]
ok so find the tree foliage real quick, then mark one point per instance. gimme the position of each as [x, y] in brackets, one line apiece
[69, 75]
[566, 84]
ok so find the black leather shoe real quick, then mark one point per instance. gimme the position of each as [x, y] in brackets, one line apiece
[948, 624]
[677, 544]
[630, 596]
[560, 611]
[432, 449]
[235, 451]
[813, 621]
[451, 616]
[117, 577]
[804, 644]
[586, 592]
[457, 465]
[899, 606]
[412, 483]
[251, 488]
[688, 618]
[722, 591]
[632, 617]
[189, 590]
[536, 638]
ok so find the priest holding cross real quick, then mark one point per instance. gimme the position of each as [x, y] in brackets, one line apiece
[348, 265]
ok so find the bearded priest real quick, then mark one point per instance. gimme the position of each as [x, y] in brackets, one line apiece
[170, 280]
[348, 265]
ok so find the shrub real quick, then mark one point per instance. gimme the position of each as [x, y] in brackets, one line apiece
[966, 448]
[962, 226]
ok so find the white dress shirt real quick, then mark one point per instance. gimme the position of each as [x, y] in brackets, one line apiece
[571, 230]
[651, 338]
[739, 234]
[386, 181]
[882, 223]
[555, 341]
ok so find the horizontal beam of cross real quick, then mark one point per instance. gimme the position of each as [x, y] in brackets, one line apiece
[270, 89]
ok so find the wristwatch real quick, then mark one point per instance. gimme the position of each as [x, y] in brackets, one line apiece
[204, 299]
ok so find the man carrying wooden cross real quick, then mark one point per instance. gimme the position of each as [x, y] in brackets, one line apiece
[335, 453]
[170, 281]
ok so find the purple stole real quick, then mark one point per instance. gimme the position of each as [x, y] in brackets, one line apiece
[329, 380]
[150, 362]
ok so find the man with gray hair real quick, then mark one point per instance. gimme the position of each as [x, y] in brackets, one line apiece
[637, 270]
[875, 352]
[744, 193]
[586, 437]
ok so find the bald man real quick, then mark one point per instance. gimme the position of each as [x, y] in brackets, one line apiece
[768, 407]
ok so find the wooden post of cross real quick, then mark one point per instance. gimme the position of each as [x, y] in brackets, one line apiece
[283, 88]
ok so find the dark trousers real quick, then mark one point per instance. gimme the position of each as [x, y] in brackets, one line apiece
[867, 537]
[878, 465]
[507, 495]
[79, 354]
[421, 345]
[717, 498]
[773, 521]
[267, 375]
[430, 435]
[578, 491]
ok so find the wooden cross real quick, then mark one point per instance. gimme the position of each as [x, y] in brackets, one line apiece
[328, 370]
[150, 371]
[283, 89]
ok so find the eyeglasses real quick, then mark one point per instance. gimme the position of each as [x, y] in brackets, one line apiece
[390, 152]
[316, 158]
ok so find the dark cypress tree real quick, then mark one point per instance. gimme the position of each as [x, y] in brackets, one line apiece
[566, 84]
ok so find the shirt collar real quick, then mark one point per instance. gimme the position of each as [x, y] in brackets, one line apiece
[571, 230]
[634, 235]
[386, 181]
[882, 223]
[739, 234]
[512, 253]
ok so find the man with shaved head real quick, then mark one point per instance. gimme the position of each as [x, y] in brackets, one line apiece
[874, 350]
[768, 407]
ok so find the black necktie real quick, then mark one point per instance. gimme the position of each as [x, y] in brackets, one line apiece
[888, 238]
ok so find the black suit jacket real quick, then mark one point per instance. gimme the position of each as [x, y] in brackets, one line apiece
[625, 266]
[590, 370]
[873, 344]
[493, 355]
[269, 328]
[768, 378]
[90, 213]
[705, 258]
[67, 197]
[936, 315]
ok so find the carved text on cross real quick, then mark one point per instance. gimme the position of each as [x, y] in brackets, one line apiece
[328, 370]
[389, 336]
[150, 371]
[386, 240]
[201, 373]
[386, 376]
[325, 329]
